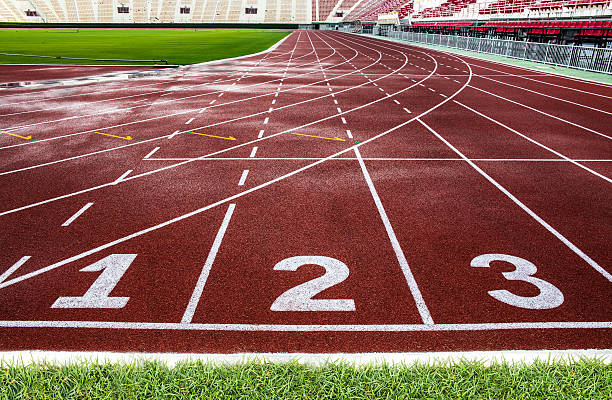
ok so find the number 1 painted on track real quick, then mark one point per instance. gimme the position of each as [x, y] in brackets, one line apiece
[97, 296]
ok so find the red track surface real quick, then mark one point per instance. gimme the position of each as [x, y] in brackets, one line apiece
[442, 161]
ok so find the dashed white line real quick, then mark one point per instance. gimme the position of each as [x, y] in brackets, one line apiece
[431, 90]
[201, 111]
[221, 94]
[173, 134]
[381, 89]
[243, 177]
[343, 120]
[261, 132]
[126, 173]
[274, 101]
[75, 216]
[212, 102]
[335, 101]
[266, 120]
[407, 110]
[253, 152]
[270, 109]
[349, 134]
[189, 121]
[339, 110]
[13, 268]
[396, 102]
[151, 153]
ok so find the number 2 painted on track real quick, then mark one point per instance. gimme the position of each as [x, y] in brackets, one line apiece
[300, 297]
[97, 296]
[550, 296]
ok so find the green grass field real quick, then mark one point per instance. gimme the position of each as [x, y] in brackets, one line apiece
[583, 379]
[177, 46]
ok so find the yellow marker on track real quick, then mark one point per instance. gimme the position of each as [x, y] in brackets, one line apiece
[218, 137]
[22, 137]
[319, 137]
[120, 137]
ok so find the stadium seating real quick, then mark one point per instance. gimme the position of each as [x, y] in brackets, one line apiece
[154, 11]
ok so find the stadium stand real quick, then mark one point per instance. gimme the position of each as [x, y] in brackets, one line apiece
[157, 11]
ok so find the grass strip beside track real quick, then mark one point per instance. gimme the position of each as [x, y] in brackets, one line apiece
[582, 379]
[178, 46]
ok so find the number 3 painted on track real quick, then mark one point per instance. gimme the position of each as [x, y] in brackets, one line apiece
[300, 297]
[549, 297]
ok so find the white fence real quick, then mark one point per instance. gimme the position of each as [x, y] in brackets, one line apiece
[586, 58]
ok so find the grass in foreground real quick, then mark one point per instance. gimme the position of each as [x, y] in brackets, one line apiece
[583, 379]
[176, 46]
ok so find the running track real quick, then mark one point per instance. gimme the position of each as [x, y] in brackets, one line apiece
[352, 195]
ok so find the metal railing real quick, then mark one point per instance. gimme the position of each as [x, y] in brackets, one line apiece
[580, 57]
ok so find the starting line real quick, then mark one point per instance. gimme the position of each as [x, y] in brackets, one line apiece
[307, 328]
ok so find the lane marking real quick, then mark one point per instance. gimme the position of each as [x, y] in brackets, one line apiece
[212, 102]
[201, 111]
[542, 112]
[319, 137]
[243, 177]
[407, 110]
[343, 120]
[546, 95]
[21, 137]
[537, 143]
[552, 230]
[270, 109]
[189, 121]
[173, 134]
[339, 110]
[253, 152]
[108, 134]
[199, 288]
[395, 101]
[266, 120]
[397, 248]
[151, 153]
[120, 179]
[335, 101]
[261, 132]
[13, 268]
[349, 134]
[274, 101]
[308, 328]
[213, 136]
[77, 214]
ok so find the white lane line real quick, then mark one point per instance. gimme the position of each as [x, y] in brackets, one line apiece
[381, 89]
[335, 101]
[407, 110]
[189, 121]
[221, 94]
[542, 112]
[201, 111]
[349, 134]
[276, 94]
[532, 214]
[199, 288]
[546, 95]
[554, 160]
[261, 132]
[330, 89]
[243, 177]
[253, 152]
[309, 328]
[536, 142]
[266, 120]
[343, 120]
[270, 109]
[431, 89]
[126, 173]
[274, 101]
[339, 110]
[443, 95]
[77, 214]
[151, 153]
[173, 134]
[395, 101]
[13, 268]
[212, 102]
[397, 248]
[455, 80]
